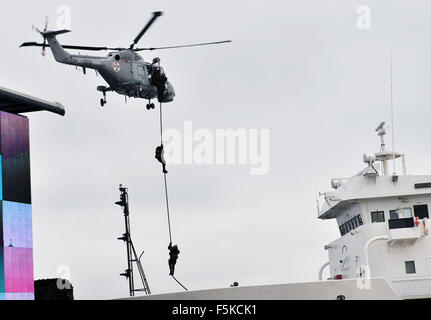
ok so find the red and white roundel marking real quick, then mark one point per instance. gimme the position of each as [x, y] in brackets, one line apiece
[116, 66]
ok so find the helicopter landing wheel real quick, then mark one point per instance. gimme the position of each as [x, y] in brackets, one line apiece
[148, 107]
[103, 100]
[152, 106]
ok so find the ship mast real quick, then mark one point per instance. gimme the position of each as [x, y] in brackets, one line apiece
[385, 156]
[381, 132]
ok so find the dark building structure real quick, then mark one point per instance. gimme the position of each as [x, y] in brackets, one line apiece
[17, 103]
[53, 289]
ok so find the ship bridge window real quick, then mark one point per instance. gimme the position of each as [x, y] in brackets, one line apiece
[402, 213]
[351, 225]
[410, 267]
[377, 216]
[421, 211]
[401, 218]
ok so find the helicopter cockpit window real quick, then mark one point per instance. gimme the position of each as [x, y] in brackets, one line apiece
[138, 57]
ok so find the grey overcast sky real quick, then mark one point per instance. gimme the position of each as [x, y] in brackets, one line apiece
[302, 69]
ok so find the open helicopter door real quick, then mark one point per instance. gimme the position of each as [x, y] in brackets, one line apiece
[140, 74]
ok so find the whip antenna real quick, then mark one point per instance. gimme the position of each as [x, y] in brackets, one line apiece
[392, 117]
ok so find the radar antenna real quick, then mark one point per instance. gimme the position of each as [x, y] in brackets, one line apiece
[385, 156]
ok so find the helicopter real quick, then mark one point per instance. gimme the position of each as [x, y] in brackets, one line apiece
[123, 69]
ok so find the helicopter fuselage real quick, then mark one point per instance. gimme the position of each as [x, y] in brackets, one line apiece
[125, 71]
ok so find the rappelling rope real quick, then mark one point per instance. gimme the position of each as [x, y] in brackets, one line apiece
[167, 194]
[180, 283]
[167, 207]
[161, 124]
[165, 178]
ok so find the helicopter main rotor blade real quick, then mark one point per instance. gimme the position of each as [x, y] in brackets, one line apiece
[183, 46]
[35, 44]
[155, 16]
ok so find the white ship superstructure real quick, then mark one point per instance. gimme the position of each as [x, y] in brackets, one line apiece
[383, 220]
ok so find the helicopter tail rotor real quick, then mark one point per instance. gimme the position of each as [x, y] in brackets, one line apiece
[45, 34]
[42, 34]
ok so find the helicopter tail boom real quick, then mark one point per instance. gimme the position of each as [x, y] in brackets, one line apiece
[62, 56]
[59, 53]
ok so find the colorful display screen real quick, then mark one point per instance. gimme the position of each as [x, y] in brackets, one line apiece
[16, 245]
[15, 153]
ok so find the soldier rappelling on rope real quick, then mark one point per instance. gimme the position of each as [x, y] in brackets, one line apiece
[173, 257]
[160, 156]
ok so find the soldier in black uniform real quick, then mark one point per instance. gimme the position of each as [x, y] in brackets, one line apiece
[173, 254]
[160, 156]
[158, 78]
